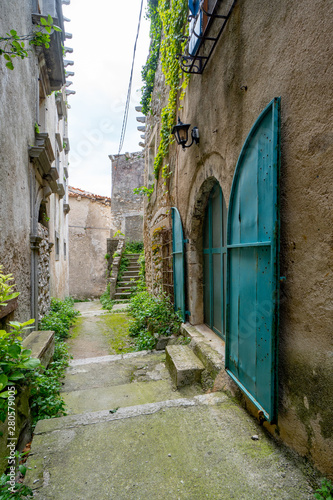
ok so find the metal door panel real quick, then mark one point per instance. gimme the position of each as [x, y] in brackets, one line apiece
[217, 292]
[213, 272]
[252, 261]
[178, 262]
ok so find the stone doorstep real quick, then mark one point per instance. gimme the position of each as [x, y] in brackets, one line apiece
[41, 344]
[207, 346]
[184, 367]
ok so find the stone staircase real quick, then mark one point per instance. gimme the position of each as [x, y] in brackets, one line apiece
[130, 276]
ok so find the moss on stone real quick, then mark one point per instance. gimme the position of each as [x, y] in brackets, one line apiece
[76, 329]
[115, 328]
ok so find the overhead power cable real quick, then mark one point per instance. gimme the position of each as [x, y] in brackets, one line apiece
[124, 125]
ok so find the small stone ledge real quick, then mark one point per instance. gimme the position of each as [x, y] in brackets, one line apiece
[203, 348]
[184, 367]
[41, 344]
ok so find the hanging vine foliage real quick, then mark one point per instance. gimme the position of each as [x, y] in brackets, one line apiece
[149, 69]
[171, 17]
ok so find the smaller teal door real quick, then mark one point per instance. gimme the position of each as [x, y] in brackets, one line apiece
[178, 262]
[214, 262]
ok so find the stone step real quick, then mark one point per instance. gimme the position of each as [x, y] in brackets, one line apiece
[120, 289]
[126, 282]
[122, 295]
[184, 367]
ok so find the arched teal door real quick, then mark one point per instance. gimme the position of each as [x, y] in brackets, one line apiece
[178, 260]
[214, 261]
[253, 265]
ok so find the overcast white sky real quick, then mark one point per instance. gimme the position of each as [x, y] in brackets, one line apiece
[103, 40]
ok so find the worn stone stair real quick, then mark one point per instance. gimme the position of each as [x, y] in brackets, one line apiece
[183, 365]
[130, 276]
[129, 434]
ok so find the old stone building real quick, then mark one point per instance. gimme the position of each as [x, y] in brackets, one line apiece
[239, 227]
[126, 206]
[34, 149]
[89, 227]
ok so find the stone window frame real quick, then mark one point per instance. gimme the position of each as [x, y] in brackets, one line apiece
[57, 245]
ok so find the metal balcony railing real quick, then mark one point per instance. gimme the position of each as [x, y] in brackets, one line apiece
[208, 19]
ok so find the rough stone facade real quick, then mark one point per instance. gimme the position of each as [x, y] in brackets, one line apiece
[89, 228]
[44, 251]
[127, 207]
[33, 155]
[268, 49]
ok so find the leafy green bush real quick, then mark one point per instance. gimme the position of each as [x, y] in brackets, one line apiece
[153, 316]
[60, 318]
[133, 247]
[46, 401]
[15, 362]
[21, 492]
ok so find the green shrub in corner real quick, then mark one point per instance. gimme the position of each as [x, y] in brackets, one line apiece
[153, 317]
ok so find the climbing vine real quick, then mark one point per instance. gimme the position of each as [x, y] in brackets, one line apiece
[174, 14]
[13, 45]
[149, 69]
[171, 17]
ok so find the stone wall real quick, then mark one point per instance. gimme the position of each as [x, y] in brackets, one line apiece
[127, 207]
[268, 49]
[31, 174]
[44, 250]
[89, 227]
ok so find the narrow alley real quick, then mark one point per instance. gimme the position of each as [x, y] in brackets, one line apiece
[130, 435]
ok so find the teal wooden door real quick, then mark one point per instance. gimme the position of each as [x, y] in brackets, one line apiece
[214, 262]
[253, 265]
[178, 262]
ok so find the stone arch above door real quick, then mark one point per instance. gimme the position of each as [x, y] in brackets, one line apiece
[209, 174]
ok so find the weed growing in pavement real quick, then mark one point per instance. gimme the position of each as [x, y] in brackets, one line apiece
[105, 300]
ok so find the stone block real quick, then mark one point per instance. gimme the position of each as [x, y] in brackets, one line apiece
[184, 367]
[41, 344]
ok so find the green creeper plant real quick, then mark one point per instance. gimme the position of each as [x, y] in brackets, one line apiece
[14, 45]
[143, 190]
[149, 69]
[174, 17]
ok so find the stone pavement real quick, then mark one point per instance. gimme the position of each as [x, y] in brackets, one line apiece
[129, 435]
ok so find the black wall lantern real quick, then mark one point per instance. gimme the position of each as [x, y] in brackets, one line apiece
[180, 132]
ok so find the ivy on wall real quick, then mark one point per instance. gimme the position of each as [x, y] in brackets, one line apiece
[171, 17]
[149, 69]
